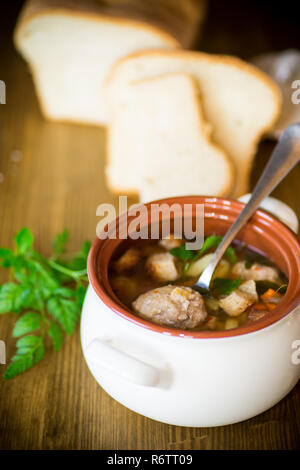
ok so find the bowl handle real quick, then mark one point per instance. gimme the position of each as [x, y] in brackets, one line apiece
[279, 209]
[105, 355]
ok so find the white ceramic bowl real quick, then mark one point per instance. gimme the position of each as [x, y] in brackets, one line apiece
[196, 379]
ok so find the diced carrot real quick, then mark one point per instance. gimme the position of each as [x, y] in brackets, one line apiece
[259, 306]
[270, 306]
[268, 294]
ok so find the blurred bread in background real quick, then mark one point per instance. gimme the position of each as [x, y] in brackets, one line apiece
[238, 102]
[179, 122]
[70, 46]
[159, 143]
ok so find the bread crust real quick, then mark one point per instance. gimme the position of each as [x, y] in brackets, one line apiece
[217, 58]
[158, 23]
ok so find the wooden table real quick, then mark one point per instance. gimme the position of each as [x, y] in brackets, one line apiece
[58, 183]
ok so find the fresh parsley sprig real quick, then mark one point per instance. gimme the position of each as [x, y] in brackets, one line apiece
[45, 294]
[189, 256]
[222, 286]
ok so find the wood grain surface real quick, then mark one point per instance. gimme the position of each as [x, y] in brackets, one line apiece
[51, 178]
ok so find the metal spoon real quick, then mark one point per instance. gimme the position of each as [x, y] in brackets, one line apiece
[284, 157]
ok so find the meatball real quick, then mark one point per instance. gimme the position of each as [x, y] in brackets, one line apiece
[176, 306]
[257, 272]
[240, 299]
[162, 267]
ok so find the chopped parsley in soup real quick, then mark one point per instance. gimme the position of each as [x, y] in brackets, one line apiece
[154, 279]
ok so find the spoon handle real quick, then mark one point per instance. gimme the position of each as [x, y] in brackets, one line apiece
[284, 157]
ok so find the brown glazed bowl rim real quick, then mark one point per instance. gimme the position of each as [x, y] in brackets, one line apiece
[262, 222]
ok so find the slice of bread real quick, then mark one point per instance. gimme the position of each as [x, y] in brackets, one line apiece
[240, 102]
[70, 47]
[159, 141]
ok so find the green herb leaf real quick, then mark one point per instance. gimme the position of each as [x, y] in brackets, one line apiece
[213, 241]
[225, 286]
[65, 292]
[24, 271]
[7, 257]
[23, 240]
[79, 261]
[210, 242]
[11, 297]
[282, 289]
[65, 312]
[29, 322]
[231, 255]
[76, 264]
[30, 350]
[66, 273]
[85, 249]
[182, 253]
[59, 242]
[56, 335]
[44, 287]
[186, 266]
[46, 276]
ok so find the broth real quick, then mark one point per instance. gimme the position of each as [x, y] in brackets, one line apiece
[134, 272]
